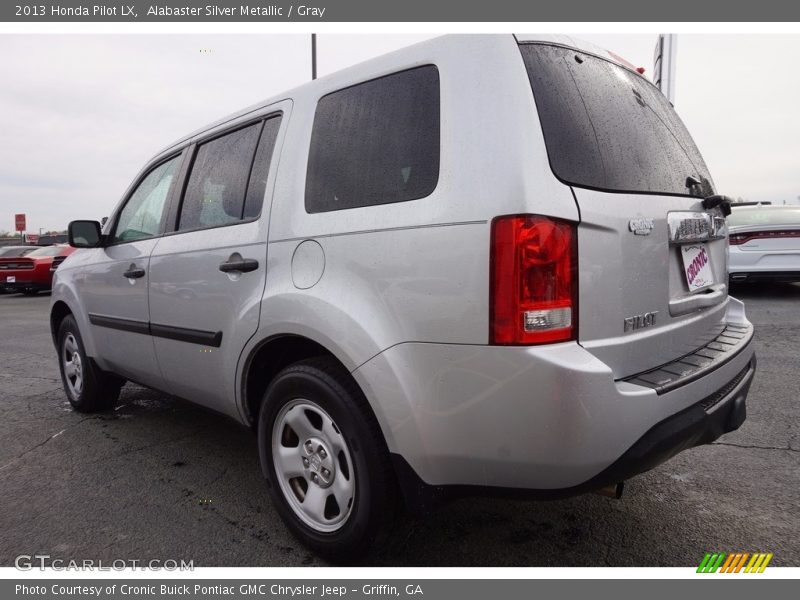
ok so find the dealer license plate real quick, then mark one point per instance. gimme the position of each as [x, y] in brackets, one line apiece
[697, 266]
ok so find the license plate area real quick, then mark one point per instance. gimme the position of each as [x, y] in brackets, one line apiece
[696, 260]
[11, 279]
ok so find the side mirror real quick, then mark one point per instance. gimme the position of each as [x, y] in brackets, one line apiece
[85, 234]
[103, 221]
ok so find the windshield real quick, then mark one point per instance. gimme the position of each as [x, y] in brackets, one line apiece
[743, 217]
[607, 128]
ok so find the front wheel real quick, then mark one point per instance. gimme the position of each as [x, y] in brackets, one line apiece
[325, 459]
[88, 388]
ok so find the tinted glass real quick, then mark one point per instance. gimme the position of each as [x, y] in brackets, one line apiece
[375, 143]
[142, 215]
[258, 176]
[14, 251]
[607, 128]
[47, 251]
[215, 192]
[741, 217]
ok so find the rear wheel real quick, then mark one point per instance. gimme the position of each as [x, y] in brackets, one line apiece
[325, 460]
[88, 388]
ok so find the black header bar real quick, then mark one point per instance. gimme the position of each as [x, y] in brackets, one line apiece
[316, 11]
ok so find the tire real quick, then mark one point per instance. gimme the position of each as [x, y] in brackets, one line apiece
[88, 388]
[315, 420]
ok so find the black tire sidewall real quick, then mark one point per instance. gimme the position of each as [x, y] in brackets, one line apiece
[100, 391]
[69, 326]
[368, 507]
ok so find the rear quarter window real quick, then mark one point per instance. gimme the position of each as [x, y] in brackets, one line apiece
[375, 143]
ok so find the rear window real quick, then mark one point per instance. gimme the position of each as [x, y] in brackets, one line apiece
[47, 251]
[744, 217]
[14, 251]
[375, 143]
[607, 128]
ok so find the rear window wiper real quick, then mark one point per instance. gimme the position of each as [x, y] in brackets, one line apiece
[716, 200]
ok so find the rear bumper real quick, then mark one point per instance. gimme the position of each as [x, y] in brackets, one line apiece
[755, 265]
[754, 276]
[547, 421]
[701, 423]
[20, 286]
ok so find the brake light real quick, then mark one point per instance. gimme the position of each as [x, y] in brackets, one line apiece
[736, 239]
[533, 280]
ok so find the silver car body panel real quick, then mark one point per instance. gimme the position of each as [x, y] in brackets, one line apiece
[188, 291]
[95, 277]
[546, 417]
[399, 293]
[638, 274]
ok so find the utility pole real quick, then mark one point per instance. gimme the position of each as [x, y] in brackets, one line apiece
[313, 56]
[664, 63]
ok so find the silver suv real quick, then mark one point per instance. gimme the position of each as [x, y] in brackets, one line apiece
[479, 264]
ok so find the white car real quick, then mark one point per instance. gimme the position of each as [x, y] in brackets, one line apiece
[764, 243]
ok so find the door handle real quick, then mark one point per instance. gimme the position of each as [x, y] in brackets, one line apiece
[237, 263]
[712, 296]
[134, 272]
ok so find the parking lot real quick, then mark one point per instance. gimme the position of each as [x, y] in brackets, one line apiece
[161, 479]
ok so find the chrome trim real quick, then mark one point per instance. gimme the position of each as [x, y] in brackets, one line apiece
[640, 226]
[688, 226]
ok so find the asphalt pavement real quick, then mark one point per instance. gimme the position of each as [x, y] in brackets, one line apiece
[161, 479]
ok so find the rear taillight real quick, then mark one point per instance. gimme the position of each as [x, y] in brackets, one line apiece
[533, 280]
[736, 239]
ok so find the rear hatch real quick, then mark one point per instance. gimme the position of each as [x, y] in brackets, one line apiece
[652, 261]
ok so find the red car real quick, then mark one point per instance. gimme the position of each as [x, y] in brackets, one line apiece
[33, 272]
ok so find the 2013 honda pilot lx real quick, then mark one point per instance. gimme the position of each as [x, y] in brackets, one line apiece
[486, 263]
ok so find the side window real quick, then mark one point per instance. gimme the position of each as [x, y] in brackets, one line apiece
[258, 176]
[375, 143]
[217, 184]
[142, 215]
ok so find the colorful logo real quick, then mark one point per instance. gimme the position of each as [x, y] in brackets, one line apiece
[734, 562]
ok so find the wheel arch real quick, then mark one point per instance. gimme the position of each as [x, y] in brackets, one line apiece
[65, 300]
[272, 354]
[58, 312]
[267, 358]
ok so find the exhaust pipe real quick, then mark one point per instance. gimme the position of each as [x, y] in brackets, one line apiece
[612, 491]
[738, 276]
